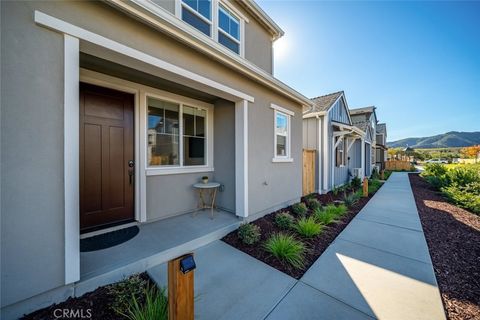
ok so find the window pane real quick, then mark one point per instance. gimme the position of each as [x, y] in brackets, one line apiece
[200, 123]
[229, 43]
[192, 4]
[223, 20]
[163, 133]
[281, 124]
[204, 8]
[193, 151]
[188, 121]
[234, 29]
[195, 21]
[281, 146]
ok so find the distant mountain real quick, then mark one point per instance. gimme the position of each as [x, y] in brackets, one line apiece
[446, 140]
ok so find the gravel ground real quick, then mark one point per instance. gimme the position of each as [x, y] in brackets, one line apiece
[453, 237]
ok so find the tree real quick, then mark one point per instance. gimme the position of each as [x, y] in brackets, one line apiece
[471, 152]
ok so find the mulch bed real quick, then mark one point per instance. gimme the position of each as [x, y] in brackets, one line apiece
[316, 246]
[453, 237]
[98, 302]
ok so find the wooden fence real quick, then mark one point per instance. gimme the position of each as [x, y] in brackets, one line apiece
[397, 165]
[308, 171]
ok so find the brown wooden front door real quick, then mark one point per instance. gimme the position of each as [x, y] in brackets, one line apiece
[106, 157]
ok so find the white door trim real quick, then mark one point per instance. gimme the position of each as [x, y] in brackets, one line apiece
[71, 156]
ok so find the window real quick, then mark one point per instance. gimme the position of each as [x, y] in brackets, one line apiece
[340, 152]
[282, 152]
[197, 13]
[228, 29]
[172, 144]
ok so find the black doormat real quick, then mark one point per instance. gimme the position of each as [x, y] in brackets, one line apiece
[108, 240]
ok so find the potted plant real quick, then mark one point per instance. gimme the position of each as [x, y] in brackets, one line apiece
[205, 179]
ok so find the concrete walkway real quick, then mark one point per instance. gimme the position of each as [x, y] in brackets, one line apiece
[378, 267]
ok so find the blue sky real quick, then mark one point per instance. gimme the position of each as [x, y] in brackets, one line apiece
[418, 62]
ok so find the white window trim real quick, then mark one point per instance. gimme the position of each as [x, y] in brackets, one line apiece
[214, 28]
[178, 169]
[288, 114]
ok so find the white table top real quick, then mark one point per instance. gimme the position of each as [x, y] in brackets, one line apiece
[208, 185]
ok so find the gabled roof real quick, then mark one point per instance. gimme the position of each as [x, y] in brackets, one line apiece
[365, 110]
[323, 103]
[382, 128]
[263, 18]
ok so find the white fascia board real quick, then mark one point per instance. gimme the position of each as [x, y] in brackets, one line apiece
[80, 33]
[314, 114]
[166, 22]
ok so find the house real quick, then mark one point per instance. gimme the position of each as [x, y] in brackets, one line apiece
[328, 129]
[124, 106]
[381, 146]
[366, 120]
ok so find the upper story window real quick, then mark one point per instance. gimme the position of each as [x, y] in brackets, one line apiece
[282, 134]
[198, 13]
[218, 20]
[228, 29]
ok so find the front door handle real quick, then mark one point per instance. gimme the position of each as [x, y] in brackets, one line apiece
[131, 171]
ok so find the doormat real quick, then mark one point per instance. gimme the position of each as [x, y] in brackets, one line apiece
[107, 240]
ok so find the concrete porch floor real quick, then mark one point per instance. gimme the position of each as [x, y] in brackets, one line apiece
[156, 243]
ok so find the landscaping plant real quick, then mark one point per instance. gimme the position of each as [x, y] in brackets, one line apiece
[154, 306]
[350, 199]
[336, 211]
[287, 249]
[300, 209]
[284, 220]
[123, 292]
[249, 233]
[312, 203]
[374, 185]
[324, 217]
[356, 183]
[308, 227]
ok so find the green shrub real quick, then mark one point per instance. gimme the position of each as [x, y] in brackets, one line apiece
[467, 197]
[387, 174]
[337, 211]
[300, 209]
[313, 204]
[284, 220]
[350, 199]
[463, 176]
[123, 292]
[374, 185]
[154, 306]
[434, 169]
[356, 183]
[336, 190]
[324, 217]
[308, 227]
[375, 174]
[287, 249]
[249, 233]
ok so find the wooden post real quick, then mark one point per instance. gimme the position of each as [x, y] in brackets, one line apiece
[365, 187]
[180, 292]
[382, 174]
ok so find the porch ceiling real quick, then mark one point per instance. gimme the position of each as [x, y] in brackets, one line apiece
[104, 66]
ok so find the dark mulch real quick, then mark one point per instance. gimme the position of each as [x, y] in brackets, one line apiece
[316, 246]
[98, 302]
[453, 237]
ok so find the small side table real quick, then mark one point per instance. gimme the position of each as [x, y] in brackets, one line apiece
[203, 189]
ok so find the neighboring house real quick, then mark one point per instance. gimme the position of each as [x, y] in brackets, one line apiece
[366, 120]
[381, 146]
[123, 106]
[328, 129]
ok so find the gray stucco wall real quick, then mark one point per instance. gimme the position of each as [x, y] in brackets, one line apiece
[32, 222]
[32, 239]
[224, 153]
[310, 133]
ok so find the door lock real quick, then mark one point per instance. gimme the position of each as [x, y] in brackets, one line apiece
[131, 172]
